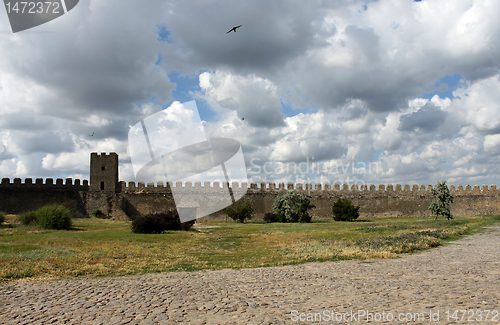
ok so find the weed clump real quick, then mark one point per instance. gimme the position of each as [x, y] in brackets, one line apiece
[27, 218]
[159, 222]
[54, 216]
[344, 210]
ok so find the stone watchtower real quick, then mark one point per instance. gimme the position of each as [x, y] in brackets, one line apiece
[103, 172]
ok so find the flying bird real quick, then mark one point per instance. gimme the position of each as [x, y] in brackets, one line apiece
[91, 135]
[234, 29]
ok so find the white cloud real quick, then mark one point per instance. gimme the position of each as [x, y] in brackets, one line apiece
[254, 98]
[360, 73]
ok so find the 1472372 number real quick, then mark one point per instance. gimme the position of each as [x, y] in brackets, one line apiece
[472, 315]
[52, 7]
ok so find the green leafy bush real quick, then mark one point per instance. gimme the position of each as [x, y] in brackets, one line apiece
[440, 205]
[2, 217]
[98, 214]
[27, 218]
[270, 217]
[241, 213]
[292, 207]
[344, 210]
[54, 216]
[159, 222]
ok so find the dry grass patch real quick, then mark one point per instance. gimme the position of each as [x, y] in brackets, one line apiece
[101, 247]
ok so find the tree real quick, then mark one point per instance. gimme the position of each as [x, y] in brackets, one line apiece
[440, 205]
[241, 213]
[292, 207]
[344, 210]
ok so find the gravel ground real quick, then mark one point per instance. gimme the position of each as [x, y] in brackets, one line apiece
[422, 288]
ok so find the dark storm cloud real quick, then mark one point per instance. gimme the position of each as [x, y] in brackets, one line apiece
[365, 40]
[45, 141]
[25, 121]
[428, 119]
[95, 64]
[272, 32]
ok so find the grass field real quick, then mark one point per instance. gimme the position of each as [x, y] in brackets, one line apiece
[97, 247]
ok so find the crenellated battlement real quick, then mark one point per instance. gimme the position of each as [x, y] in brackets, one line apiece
[131, 187]
[381, 189]
[68, 183]
[126, 200]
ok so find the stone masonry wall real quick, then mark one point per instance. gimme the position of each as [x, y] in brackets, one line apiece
[375, 202]
[19, 197]
[132, 200]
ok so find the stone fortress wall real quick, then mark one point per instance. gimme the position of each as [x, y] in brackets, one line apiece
[17, 197]
[120, 200]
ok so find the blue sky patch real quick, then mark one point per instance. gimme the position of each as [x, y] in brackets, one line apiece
[444, 87]
[186, 84]
[163, 34]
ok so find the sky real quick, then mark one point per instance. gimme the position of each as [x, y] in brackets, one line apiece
[355, 92]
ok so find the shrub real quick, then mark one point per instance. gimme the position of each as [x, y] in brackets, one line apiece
[2, 217]
[270, 217]
[159, 222]
[241, 213]
[27, 218]
[440, 205]
[98, 214]
[344, 210]
[54, 216]
[292, 207]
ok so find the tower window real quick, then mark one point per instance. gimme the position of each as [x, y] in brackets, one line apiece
[103, 168]
[102, 186]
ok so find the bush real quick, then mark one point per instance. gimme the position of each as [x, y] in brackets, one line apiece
[54, 216]
[242, 212]
[2, 217]
[344, 210]
[159, 222]
[98, 214]
[440, 205]
[292, 207]
[270, 217]
[27, 218]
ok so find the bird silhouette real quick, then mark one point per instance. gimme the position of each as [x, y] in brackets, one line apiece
[91, 135]
[234, 29]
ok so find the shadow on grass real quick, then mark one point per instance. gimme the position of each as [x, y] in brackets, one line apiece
[74, 229]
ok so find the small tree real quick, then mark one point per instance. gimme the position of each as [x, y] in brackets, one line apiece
[344, 210]
[440, 205]
[292, 207]
[242, 212]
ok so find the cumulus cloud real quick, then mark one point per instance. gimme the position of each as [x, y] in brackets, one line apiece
[254, 99]
[347, 83]
[426, 119]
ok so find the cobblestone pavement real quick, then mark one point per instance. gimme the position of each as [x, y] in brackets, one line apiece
[463, 276]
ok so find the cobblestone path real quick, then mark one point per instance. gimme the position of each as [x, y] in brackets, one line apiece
[422, 288]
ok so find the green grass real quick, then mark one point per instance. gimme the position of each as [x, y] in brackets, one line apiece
[100, 247]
